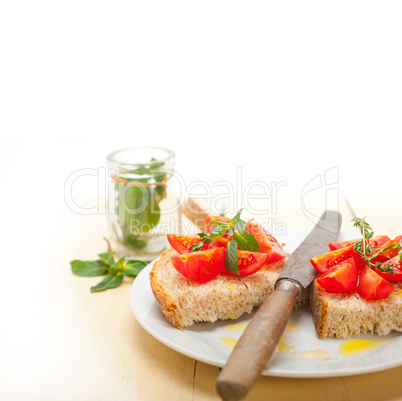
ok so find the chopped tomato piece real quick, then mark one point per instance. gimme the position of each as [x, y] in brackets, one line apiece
[182, 243]
[373, 241]
[249, 263]
[324, 262]
[389, 253]
[373, 286]
[340, 278]
[359, 261]
[200, 266]
[219, 242]
[396, 264]
[268, 244]
[208, 220]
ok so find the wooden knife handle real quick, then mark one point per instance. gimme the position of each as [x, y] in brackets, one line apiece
[256, 345]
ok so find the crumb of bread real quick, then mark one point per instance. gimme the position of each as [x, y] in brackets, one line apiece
[347, 314]
[183, 301]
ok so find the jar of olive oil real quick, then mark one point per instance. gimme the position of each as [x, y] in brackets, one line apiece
[141, 210]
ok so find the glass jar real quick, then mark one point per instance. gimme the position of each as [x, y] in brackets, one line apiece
[138, 200]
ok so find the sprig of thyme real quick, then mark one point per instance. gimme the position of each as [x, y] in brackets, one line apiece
[363, 246]
[386, 267]
[364, 249]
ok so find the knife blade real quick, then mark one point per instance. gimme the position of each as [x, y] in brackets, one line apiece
[298, 267]
[262, 334]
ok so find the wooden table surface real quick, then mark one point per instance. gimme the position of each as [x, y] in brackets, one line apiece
[61, 342]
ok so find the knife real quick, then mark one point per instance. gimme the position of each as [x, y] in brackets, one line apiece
[262, 334]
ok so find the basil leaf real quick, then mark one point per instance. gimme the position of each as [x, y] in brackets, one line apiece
[246, 241]
[214, 223]
[236, 218]
[110, 281]
[147, 168]
[107, 258]
[117, 267]
[232, 256]
[150, 217]
[139, 212]
[240, 225]
[219, 231]
[135, 242]
[133, 267]
[88, 268]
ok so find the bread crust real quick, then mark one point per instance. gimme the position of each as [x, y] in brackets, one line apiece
[164, 300]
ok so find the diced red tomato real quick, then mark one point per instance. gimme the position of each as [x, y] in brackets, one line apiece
[343, 267]
[249, 263]
[181, 243]
[389, 253]
[373, 241]
[208, 220]
[268, 244]
[200, 266]
[373, 286]
[333, 246]
[396, 264]
[219, 242]
[340, 278]
[359, 261]
[323, 263]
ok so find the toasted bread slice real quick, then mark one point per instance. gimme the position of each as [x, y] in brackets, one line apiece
[183, 301]
[345, 314]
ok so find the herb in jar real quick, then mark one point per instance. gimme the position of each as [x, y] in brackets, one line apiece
[139, 193]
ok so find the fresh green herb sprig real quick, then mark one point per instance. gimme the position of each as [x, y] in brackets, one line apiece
[205, 240]
[238, 236]
[363, 246]
[386, 267]
[106, 265]
[364, 249]
[138, 207]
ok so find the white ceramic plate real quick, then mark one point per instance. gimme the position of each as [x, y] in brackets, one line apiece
[300, 352]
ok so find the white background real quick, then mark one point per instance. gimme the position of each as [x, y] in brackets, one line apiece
[284, 90]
